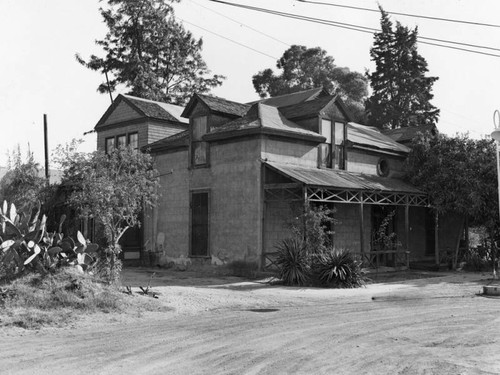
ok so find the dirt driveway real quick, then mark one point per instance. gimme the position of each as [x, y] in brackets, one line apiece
[226, 326]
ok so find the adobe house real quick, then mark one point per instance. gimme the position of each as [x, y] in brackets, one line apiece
[233, 175]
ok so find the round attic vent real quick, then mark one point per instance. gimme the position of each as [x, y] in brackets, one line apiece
[383, 167]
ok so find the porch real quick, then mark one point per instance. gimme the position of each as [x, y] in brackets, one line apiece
[357, 199]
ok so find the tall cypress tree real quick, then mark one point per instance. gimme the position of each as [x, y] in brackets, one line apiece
[401, 91]
[150, 53]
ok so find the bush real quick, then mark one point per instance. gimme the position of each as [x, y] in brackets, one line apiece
[476, 259]
[293, 262]
[337, 269]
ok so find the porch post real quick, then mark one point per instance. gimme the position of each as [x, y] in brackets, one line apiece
[407, 226]
[361, 225]
[436, 238]
[305, 207]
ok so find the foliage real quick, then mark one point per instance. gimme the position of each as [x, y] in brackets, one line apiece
[476, 259]
[25, 244]
[314, 225]
[401, 90]
[386, 240]
[113, 189]
[150, 53]
[338, 269]
[459, 174]
[305, 68]
[22, 184]
[293, 262]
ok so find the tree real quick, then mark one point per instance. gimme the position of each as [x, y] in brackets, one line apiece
[113, 189]
[305, 68]
[150, 53]
[401, 91]
[22, 184]
[459, 174]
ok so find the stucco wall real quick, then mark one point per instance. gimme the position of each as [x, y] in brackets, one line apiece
[235, 212]
[347, 228]
[169, 231]
[290, 151]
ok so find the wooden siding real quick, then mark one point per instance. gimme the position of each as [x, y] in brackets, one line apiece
[123, 112]
[363, 162]
[127, 129]
[290, 152]
[157, 131]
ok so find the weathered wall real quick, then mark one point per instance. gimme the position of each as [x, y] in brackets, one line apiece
[347, 228]
[234, 179]
[279, 216]
[157, 131]
[169, 230]
[290, 151]
[363, 162]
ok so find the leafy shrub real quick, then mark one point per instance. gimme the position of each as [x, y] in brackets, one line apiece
[292, 262]
[337, 269]
[476, 259]
[314, 225]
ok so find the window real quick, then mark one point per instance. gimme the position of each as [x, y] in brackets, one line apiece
[109, 145]
[383, 168]
[199, 149]
[133, 140]
[332, 154]
[121, 141]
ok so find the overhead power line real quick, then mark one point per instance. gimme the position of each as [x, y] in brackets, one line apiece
[229, 39]
[403, 14]
[359, 28]
[242, 24]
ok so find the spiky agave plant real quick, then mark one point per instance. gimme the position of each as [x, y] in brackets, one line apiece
[292, 262]
[337, 268]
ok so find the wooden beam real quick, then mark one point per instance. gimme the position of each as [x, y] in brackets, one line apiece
[361, 227]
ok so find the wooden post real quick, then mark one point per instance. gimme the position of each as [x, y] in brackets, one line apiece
[436, 238]
[361, 225]
[305, 207]
[46, 146]
[407, 226]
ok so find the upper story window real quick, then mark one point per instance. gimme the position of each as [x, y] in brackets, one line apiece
[122, 140]
[109, 145]
[332, 152]
[133, 140]
[199, 148]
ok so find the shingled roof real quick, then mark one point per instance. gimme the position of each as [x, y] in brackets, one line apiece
[216, 104]
[263, 118]
[146, 108]
[294, 98]
[406, 135]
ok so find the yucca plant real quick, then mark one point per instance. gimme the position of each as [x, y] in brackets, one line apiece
[292, 262]
[337, 268]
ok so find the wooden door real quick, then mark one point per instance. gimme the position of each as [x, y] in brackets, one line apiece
[199, 224]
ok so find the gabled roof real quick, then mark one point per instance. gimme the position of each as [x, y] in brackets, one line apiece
[333, 178]
[405, 135]
[372, 138]
[294, 98]
[317, 107]
[145, 108]
[217, 105]
[178, 140]
[266, 119]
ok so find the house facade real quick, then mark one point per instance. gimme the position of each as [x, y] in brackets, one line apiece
[235, 176]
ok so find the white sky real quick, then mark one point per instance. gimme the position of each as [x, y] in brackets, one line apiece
[39, 74]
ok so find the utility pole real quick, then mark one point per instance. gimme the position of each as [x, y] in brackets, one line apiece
[46, 145]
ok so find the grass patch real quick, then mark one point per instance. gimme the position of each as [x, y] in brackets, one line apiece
[56, 299]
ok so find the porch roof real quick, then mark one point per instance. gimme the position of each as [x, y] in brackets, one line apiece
[330, 178]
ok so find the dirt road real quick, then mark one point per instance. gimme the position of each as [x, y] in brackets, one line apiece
[432, 326]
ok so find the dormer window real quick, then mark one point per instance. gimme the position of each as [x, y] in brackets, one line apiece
[199, 148]
[332, 153]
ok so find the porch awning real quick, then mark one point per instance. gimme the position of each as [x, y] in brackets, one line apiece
[328, 185]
